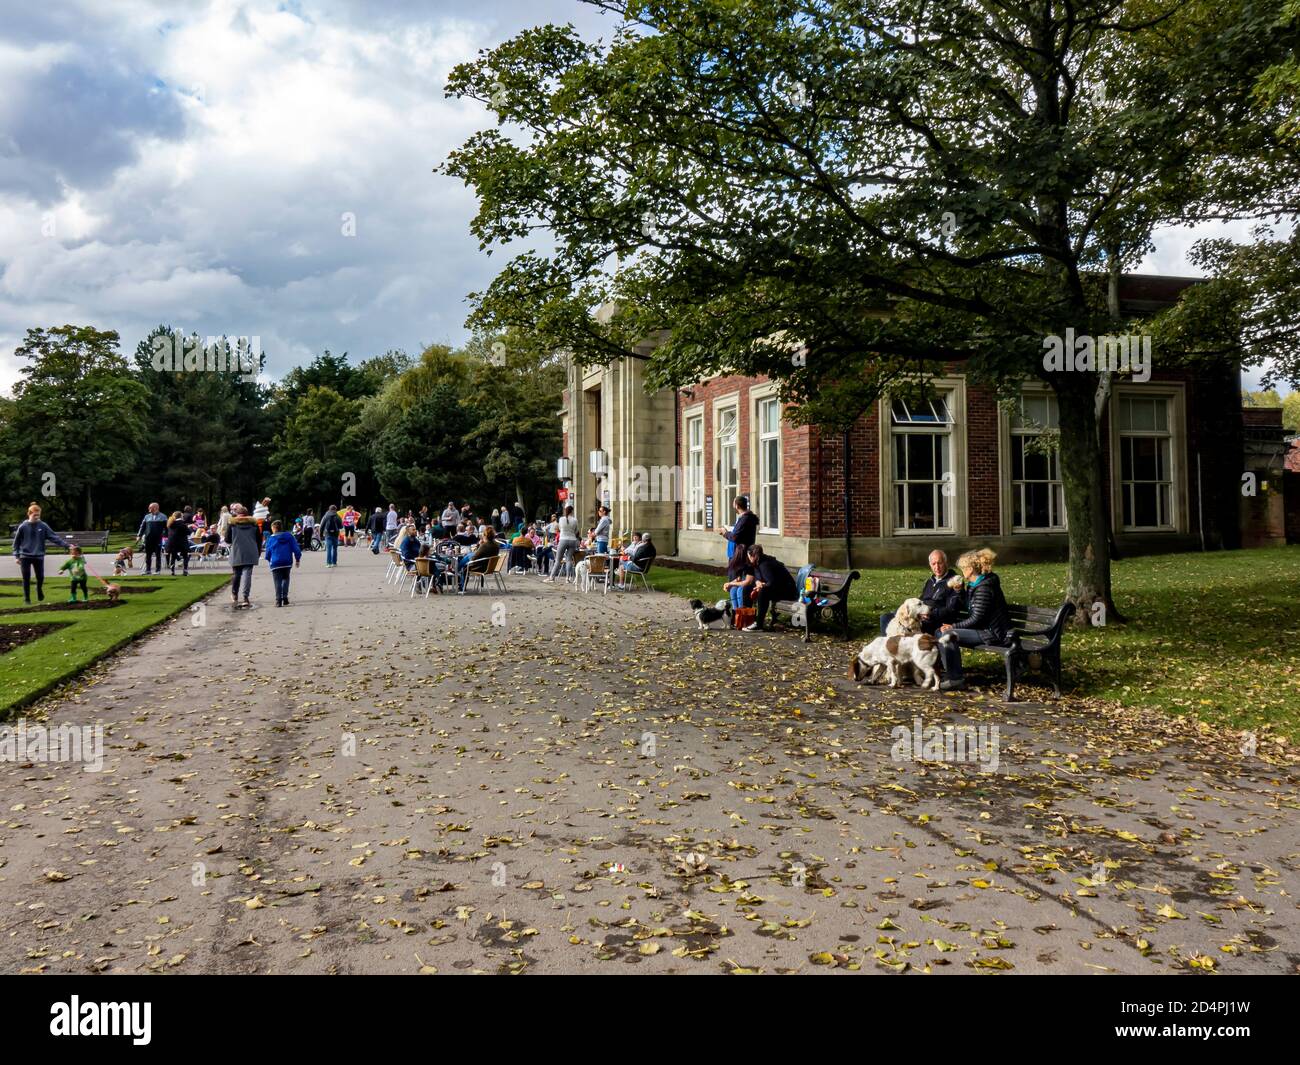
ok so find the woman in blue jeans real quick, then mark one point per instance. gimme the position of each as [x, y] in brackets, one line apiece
[603, 526]
[740, 579]
[989, 620]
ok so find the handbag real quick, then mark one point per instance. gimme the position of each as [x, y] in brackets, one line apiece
[745, 615]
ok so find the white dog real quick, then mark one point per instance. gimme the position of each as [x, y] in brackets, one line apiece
[582, 575]
[907, 620]
[887, 656]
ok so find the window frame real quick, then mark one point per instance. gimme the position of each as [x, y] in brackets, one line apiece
[1172, 434]
[953, 392]
[758, 398]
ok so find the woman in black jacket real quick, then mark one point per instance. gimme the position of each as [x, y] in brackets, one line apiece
[988, 620]
[178, 543]
[772, 583]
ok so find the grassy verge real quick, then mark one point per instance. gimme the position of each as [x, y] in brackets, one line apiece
[1215, 634]
[84, 635]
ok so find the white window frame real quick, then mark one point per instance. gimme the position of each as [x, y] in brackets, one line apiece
[758, 399]
[946, 488]
[723, 492]
[1014, 487]
[1172, 434]
[693, 421]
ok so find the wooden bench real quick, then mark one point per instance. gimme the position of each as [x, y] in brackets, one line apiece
[1035, 643]
[834, 611]
[83, 538]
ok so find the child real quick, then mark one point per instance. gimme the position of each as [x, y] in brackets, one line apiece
[76, 567]
[282, 552]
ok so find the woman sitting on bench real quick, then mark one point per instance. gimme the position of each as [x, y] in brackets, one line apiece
[989, 620]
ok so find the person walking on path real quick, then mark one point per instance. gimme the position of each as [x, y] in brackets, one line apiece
[178, 543]
[330, 527]
[375, 527]
[283, 552]
[567, 546]
[153, 526]
[76, 567]
[223, 523]
[30, 539]
[391, 523]
[245, 550]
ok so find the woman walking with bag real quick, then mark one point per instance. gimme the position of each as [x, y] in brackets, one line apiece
[245, 550]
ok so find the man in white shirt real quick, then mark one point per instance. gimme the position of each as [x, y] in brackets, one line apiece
[391, 522]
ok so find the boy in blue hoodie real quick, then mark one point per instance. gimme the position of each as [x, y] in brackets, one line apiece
[283, 552]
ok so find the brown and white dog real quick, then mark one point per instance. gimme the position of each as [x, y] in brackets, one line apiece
[888, 656]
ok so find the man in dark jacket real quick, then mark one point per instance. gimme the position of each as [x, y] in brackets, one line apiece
[375, 527]
[330, 527]
[945, 603]
[772, 583]
[740, 537]
[152, 529]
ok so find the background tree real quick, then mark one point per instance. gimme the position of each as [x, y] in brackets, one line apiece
[314, 458]
[78, 413]
[899, 186]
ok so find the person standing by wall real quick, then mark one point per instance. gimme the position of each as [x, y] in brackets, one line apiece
[245, 550]
[330, 527]
[283, 552]
[30, 539]
[741, 535]
[153, 526]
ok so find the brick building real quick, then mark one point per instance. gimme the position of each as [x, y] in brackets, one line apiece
[952, 470]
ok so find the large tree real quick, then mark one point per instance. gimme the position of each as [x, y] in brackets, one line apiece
[849, 196]
[77, 420]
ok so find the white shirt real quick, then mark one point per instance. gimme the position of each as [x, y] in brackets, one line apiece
[390, 522]
[568, 528]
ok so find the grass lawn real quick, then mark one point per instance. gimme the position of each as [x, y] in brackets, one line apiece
[85, 633]
[1215, 634]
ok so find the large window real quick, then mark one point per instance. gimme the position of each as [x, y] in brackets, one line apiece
[1037, 499]
[727, 443]
[769, 464]
[695, 472]
[921, 441]
[1146, 479]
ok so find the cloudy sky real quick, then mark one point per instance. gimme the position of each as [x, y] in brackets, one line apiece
[197, 163]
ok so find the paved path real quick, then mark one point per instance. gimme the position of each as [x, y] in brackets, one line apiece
[549, 782]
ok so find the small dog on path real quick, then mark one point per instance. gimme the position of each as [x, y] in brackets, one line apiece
[717, 616]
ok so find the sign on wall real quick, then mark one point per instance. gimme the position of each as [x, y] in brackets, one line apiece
[708, 512]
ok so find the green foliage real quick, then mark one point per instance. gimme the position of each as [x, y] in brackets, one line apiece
[78, 413]
[316, 450]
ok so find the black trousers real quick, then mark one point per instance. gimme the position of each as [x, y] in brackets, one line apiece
[182, 553]
[30, 566]
[152, 556]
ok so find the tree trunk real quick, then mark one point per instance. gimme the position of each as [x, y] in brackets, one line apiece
[1086, 508]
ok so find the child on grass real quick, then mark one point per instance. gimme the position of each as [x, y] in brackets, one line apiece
[76, 567]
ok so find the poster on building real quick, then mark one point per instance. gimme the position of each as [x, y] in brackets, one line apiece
[708, 512]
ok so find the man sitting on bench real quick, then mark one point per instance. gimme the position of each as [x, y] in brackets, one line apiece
[945, 603]
[772, 584]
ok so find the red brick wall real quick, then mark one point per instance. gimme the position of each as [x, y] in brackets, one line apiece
[983, 500]
[797, 453]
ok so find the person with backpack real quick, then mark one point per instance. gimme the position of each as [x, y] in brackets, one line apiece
[283, 552]
[375, 527]
[30, 539]
[330, 527]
